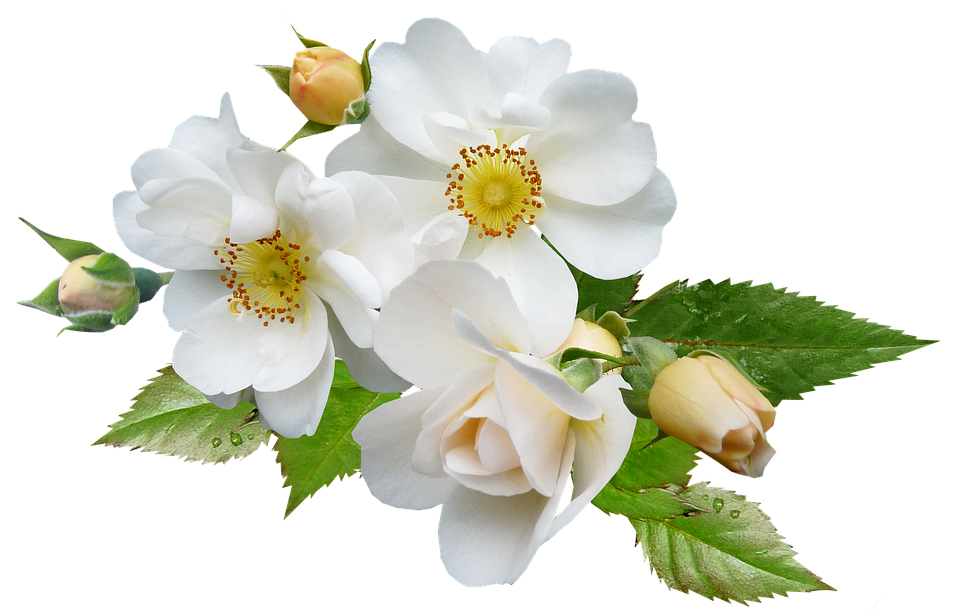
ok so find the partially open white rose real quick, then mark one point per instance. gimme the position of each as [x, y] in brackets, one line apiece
[494, 432]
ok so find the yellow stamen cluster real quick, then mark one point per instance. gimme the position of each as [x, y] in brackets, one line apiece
[265, 277]
[495, 189]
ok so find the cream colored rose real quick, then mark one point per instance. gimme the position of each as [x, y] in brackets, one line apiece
[324, 82]
[706, 402]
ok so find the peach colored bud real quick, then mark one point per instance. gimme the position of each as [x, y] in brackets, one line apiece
[592, 337]
[79, 292]
[323, 83]
[706, 402]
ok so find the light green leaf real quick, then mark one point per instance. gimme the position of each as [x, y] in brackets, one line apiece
[111, 269]
[169, 416]
[308, 43]
[786, 343]
[94, 321]
[365, 66]
[731, 551]
[47, 300]
[311, 462]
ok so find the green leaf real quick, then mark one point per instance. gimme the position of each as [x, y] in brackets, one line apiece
[786, 343]
[149, 282]
[68, 249]
[308, 43]
[311, 462]
[731, 551]
[169, 416]
[281, 76]
[652, 462]
[94, 321]
[308, 130]
[607, 295]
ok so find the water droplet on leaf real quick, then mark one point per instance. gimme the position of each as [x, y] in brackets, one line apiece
[734, 514]
[215, 442]
[236, 439]
[718, 505]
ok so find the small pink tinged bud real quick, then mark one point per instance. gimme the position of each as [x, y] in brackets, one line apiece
[80, 292]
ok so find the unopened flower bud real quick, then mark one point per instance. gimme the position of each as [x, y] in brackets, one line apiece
[592, 337]
[324, 82]
[706, 402]
[80, 292]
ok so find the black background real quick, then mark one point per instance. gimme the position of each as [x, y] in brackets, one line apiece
[786, 171]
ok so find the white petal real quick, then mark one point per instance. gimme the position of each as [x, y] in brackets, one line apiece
[373, 150]
[455, 399]
[218, 352]
[518, 110]
[351, 291]
[492, 539]
[519, 64]
[541, 283]
[251, 220]
[450, 133]
[171, 252]
[169, 163]
[208, 139]
[440, 239]
[378, 240]
[329, 212]
[258, 172]
[416, 335]
[296, 410]
[435, 70]
[550, 382]
[601, 446]
[189, 293]
[387, 436]
[421, 201]
[187, 207]
[289, 352]
[229, 401]
[536, 426]
[593, 152]
[611, 241]
[365, 365]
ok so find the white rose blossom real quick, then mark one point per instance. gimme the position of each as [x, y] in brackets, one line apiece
[480, 147]
[494, 431]
[276, 270]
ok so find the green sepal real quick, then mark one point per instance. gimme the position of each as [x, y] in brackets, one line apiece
[653, 354]
[588, 314]
[47, 301]
[68, 249]
[111, 270]
[574, 353]
[149, 282]
[281, 76]
[637, 402]
[365, 66]
[615, 324]
[93, 321]
[308, 130]
[582, 373]
[123, 314]
[308, 43]
[358, 111]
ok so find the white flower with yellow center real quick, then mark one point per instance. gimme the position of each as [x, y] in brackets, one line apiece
[276, 270]
[495, 431]
[480, 148]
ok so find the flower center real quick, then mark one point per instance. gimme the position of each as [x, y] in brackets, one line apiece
[495, 189]
[265, 277]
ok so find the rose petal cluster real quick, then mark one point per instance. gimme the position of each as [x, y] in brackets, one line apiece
[706, 402]
[276, 270]
[486, 150]
[495, 430]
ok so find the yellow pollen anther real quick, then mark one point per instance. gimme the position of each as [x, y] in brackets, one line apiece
[495, 189]
[265, 276]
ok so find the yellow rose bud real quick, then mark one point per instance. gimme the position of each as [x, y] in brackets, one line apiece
[323, 83]
[79, 292]
[592, 337]
[706, 402]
